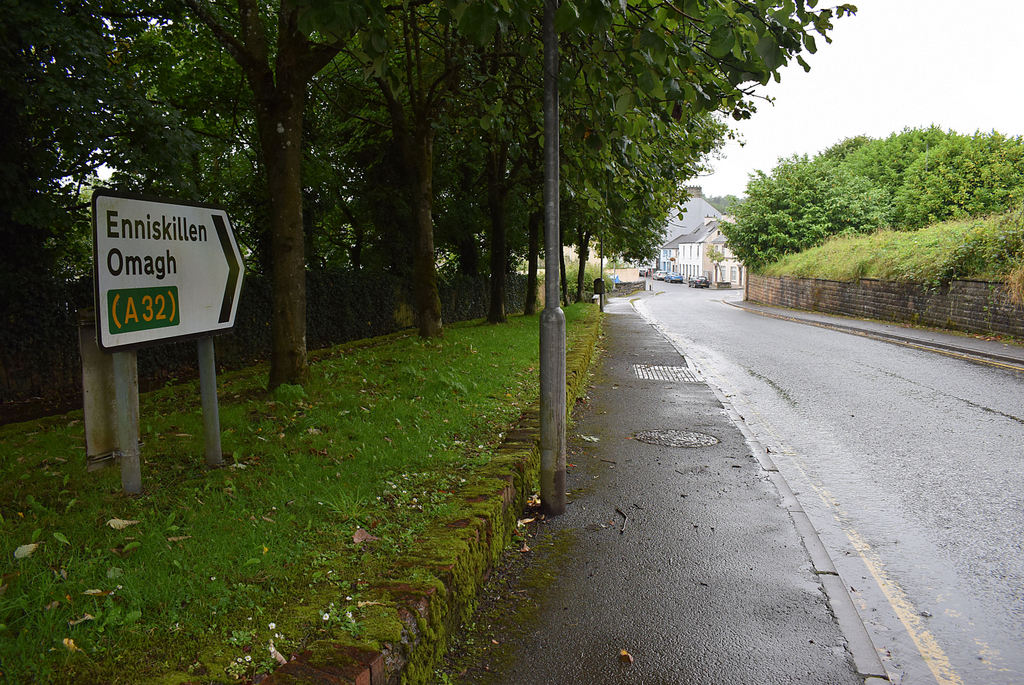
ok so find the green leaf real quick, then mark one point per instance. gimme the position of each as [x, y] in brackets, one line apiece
[567, 17]
[59, 537]
[769, 50]
[624, 103]
[479, 22]
[722, 40]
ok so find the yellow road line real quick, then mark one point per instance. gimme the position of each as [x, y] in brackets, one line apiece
[931, 652]
[929, 648]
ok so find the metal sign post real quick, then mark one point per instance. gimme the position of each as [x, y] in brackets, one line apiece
[163, 271]
[208, 394]
[552, 319]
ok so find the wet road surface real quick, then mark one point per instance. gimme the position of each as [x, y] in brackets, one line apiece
[910, 465]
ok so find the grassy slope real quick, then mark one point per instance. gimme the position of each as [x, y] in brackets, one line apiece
[989, 248]
[220, 562]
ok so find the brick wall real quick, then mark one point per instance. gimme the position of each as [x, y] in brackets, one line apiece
[972, 306]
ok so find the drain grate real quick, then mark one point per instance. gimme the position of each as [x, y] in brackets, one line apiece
[676, 438]
[664, 373]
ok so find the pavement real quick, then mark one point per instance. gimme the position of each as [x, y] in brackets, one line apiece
[683, 556]
[981, 349]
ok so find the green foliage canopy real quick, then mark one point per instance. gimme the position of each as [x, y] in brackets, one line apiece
[909, 179]
[800, 204]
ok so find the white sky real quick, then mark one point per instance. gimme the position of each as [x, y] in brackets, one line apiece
[896, 64]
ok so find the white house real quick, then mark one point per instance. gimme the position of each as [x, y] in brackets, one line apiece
[684, 221]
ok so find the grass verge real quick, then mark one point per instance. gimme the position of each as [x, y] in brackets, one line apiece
[328, 487]
[989, 248]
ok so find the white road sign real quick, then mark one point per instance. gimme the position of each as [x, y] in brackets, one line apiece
[162, 270]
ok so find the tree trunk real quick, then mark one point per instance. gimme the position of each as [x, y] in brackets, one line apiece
[279, 120]
[424, 268]
[533, 254]
[469, 256]
[581, 273]
[496, 195]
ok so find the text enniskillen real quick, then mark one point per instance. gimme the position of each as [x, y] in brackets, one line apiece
[172, 229]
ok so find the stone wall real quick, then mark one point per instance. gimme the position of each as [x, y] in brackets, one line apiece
[971, 306]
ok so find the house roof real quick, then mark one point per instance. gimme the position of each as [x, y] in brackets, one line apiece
[674, 243]
[689, 217]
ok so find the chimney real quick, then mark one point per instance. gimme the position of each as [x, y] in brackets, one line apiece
[694, 191]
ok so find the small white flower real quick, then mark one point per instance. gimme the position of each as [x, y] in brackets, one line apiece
[327, 617]
[271, 625]
[348, 615]
[348, 599]
[213, 577]
[248, 658]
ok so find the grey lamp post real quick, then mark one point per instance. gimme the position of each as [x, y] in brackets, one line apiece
[552, 318]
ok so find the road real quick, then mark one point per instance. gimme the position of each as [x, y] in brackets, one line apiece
[910, 465]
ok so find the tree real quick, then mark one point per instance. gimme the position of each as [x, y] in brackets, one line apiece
[963, 176]
[723, 203]
[717, 257]
[279, 60]
[799, 205]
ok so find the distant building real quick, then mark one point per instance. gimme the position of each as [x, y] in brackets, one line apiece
[684, 224]
[691, 230]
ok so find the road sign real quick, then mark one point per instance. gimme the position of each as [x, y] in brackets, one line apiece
[163, 271]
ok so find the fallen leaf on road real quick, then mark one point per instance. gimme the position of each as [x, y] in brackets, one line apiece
[590, 438]
[525, 548]
[523, 522]
[625, 657]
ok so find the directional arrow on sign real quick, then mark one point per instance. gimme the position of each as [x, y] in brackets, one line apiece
[227, 244]
[163, 270]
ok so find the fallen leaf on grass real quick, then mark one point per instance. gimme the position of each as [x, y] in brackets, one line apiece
[362, 536]
[98, 593]
[85, 617]
[71, 646]
[625, 657]
[120, 524]
[52, 605]
[278, 657]
[179, 538]
[368, 604]
[26, 550]
[525, 548]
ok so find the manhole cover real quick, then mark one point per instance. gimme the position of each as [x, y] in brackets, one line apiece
[650, 372]
[676, 438]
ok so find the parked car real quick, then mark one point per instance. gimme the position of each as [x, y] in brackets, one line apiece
[674, 278]
[659, 275]
[700, 282]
